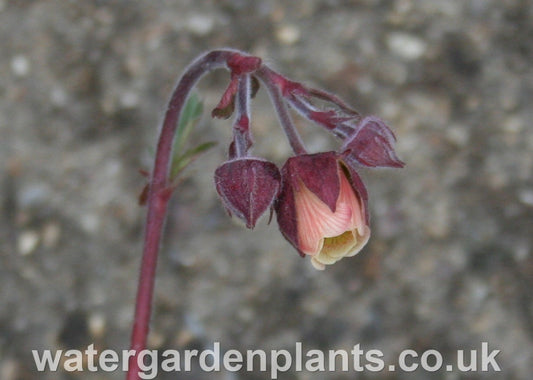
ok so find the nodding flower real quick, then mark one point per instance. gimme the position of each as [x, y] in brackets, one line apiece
[322, 208]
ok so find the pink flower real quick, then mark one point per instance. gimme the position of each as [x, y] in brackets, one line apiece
[322, 208]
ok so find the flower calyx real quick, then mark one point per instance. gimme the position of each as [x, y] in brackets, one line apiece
[247, 187]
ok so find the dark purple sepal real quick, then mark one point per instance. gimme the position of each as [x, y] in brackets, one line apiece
[372, 145]
[226, 105]
[247, 187]
[330, 119]
[286, 211]
[319, 172]
[255, 87]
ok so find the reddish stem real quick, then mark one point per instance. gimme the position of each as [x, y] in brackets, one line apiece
[270, 79]
[242, 136]
[158, 197]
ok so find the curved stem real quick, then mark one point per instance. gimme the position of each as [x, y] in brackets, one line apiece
[266, 76]
[158, 197]
[241, 129]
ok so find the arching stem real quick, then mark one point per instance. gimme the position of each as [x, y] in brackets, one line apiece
[158, 197]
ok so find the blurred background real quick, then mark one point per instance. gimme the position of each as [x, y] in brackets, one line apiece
[83, 87]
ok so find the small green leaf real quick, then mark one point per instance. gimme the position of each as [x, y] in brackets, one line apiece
[180, 162]
[181, 157]
[190, 116]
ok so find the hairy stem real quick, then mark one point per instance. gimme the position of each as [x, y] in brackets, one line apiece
[266, 76]
[158, 197]
[241, 129]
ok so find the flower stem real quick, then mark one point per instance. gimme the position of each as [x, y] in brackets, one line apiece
[266, 76]
[159, 194]
[242, 137]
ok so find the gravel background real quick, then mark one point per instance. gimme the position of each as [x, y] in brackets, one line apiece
[450, 265]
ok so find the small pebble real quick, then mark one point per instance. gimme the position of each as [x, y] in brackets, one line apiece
[458, 135]
[200, 25]
[288, 34]
[97, 325]
[90, 223]
[20, 66]
[27, 242]
[526, 197]
[129, 99]
[406, 46]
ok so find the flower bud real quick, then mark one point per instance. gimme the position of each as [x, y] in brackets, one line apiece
[247, 187]
[371, 145]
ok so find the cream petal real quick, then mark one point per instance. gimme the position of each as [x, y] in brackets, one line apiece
[362, 239]
[325, 259]
[317, 264]
[339, 246]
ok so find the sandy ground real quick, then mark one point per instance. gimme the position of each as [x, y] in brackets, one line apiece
[83, 85]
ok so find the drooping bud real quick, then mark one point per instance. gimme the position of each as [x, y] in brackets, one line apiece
[247, 187]
[372, 145]
[239, 65]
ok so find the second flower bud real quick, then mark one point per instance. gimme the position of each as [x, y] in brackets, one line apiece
[247, 187]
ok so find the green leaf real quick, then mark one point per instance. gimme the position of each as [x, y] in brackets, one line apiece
[180, 162]
[190, 116]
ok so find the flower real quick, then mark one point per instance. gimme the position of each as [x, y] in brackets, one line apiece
[247, 187]
[322, 208]
[371, 145]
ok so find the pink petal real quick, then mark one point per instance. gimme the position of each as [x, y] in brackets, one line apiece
[316, 221]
